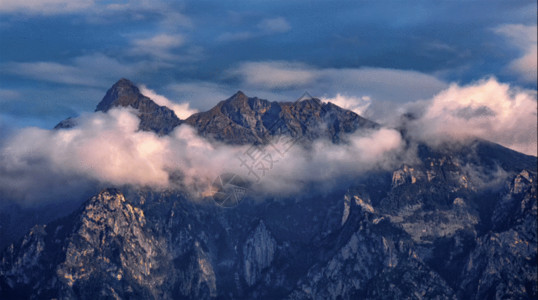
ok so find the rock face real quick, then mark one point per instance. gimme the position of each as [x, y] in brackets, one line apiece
[448, 225]
[242, 120]
[258, 252]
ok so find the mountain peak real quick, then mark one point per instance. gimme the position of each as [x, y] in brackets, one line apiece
[153, 117]
[239, 95]
[305, 96]
[123, 93]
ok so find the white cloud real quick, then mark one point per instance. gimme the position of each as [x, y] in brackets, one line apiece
[37, 164]
[44, 6]
[486, 109]
[160, 46]
[378, 83]
[328, 164]
[525, 38]
[274, 25]
[275, 74]
[108, 149]
[182, 110]
[101, 11]
[358, 105]
[89, 70]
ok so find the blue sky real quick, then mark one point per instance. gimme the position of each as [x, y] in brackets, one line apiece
[58, 57]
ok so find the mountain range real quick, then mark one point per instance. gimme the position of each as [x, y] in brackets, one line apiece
[429, 228]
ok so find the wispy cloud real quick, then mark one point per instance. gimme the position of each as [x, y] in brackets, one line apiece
[46, 7]
[89, 70]
[182, 110]
[524, 37]
[160, 46]
[275, 74]
[7, 94]
[264, 27]
[274, 25]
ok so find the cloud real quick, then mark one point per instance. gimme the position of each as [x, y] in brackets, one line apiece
[407, 84]
[88, 70]
[486, 109]
[235, 36]
[108, 149]
[274, 74]
[182, 110]
[265, 27]
[328, 165]
[274, 25]
[358, 105]
[101, 11]
[523, 37]
[44, 6]
[387, 89]
[160, 46]
[7, 94]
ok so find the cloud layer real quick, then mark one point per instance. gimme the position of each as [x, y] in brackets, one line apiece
[107, 149]
[41, 165]
[524, 37]
[486, 109]
[378, 83]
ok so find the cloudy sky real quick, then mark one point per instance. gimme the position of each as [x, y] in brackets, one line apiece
[463, 68]
[58, 57]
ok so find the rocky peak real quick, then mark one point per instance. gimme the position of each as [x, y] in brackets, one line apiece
[242, 120]
[153, 117]
[122, 93]
[238, 96]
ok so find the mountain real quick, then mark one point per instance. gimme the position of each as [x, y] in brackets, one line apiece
[459, 222]
[244, 120]
[124, 93]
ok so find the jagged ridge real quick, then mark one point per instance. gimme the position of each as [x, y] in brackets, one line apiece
[242, 120]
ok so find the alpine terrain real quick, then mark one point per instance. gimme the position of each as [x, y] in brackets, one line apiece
[456, 221]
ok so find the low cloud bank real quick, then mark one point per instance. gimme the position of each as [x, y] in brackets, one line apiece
[38, 165]
[107, 149]
[486, 109]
